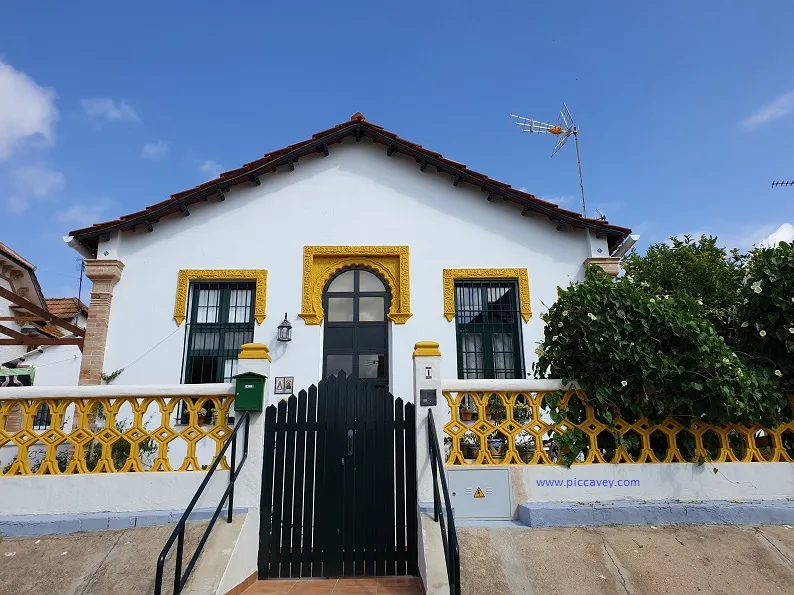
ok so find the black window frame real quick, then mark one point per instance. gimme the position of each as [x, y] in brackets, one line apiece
[331, 346]
[485, 319]
[43, 418]
[220, 330]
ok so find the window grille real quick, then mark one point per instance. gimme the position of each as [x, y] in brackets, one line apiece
[487, 322]
[43, 418]
[221, 321]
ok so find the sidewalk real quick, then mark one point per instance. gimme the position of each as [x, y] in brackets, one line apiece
[700, 559]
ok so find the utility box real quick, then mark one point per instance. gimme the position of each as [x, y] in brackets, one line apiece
[249, 392]
[480, 493]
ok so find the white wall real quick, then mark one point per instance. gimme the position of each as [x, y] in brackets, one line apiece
[647, 481]
[58, 365]
[113, 492]
[356, 196]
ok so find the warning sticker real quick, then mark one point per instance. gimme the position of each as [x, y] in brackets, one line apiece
[479, 493]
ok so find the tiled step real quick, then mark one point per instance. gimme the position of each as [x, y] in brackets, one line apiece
[345, 586]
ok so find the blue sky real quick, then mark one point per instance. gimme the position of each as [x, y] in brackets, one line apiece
[686, 109]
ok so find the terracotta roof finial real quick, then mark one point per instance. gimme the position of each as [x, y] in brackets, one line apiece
[357, 117]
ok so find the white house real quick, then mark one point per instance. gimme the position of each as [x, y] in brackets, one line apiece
[365, 242]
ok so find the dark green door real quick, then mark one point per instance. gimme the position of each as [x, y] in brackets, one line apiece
[356, 334]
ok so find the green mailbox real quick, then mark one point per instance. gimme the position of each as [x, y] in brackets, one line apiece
[249, 392]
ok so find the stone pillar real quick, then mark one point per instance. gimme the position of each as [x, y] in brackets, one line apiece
[610, 264]
[254, 357]
[104, 274]
[427, 376]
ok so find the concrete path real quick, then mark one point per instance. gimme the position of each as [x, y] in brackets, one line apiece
[673, 560]
[118, 562]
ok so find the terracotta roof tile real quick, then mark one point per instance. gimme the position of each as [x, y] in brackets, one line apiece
[65, 307]
[359, 127]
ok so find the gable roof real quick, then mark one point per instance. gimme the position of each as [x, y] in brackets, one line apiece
[357, 127]
[7, 253]
[66, 307]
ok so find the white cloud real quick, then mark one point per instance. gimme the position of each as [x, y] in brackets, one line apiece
[84, 214]
[27, 111]
[784, 233]
[779, 107]
[155, 151]
[561, 201]
[211, 168]
[31, 182]
[107, 109]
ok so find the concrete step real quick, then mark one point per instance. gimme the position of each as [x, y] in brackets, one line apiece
[345, 586]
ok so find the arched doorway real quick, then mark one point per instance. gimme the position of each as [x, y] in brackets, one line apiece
[356, 338]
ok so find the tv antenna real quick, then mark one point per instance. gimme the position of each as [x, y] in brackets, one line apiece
[786, 183]
[564, 129]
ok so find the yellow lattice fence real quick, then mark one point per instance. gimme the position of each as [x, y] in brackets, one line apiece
[511, 428]
[110, 435]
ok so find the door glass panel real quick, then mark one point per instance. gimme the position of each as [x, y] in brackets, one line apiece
[371, 309]
[239, 305]
[503, 357]
[369, 282]
[472, 351]
[372, 365]
[336, 363]
[342, 282]
[340, 309]
[208, 305]
[468, 304]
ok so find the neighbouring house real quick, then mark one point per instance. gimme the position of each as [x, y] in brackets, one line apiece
[40, 340]
[362, 242]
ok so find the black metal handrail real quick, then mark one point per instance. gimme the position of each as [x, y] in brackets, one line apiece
[449, 536]
[179, 531]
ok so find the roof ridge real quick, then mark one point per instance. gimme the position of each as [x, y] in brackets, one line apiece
[357, 126]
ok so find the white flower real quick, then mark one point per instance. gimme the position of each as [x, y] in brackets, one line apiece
[591, 316]
[791, 330]
[700, 302]
[539, 352]
[778, 373]
[792, 299]
[725, 360]
[762, 333]
[653, 301]
[564, 313]
[756, 287]
[644, 284]
[554, 338]
[559, 324]
[740, 373]
[624, 383]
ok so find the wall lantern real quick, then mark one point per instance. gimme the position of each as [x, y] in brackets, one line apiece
[285, 330]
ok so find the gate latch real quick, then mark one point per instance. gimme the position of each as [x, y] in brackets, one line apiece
[350, 443]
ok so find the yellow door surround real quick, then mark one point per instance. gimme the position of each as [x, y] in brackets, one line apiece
[321, 263]
[188, 275]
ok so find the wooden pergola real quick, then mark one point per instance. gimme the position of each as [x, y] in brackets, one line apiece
[28, 312]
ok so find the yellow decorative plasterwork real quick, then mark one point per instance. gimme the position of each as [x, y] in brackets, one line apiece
[426, 348]
[518, 422]
[188, 275]
[520, 275]
[320, 263]
[81, 434]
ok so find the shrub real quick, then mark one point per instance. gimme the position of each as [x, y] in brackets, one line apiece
[699, 269]
[765, 314]
[636, 354]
